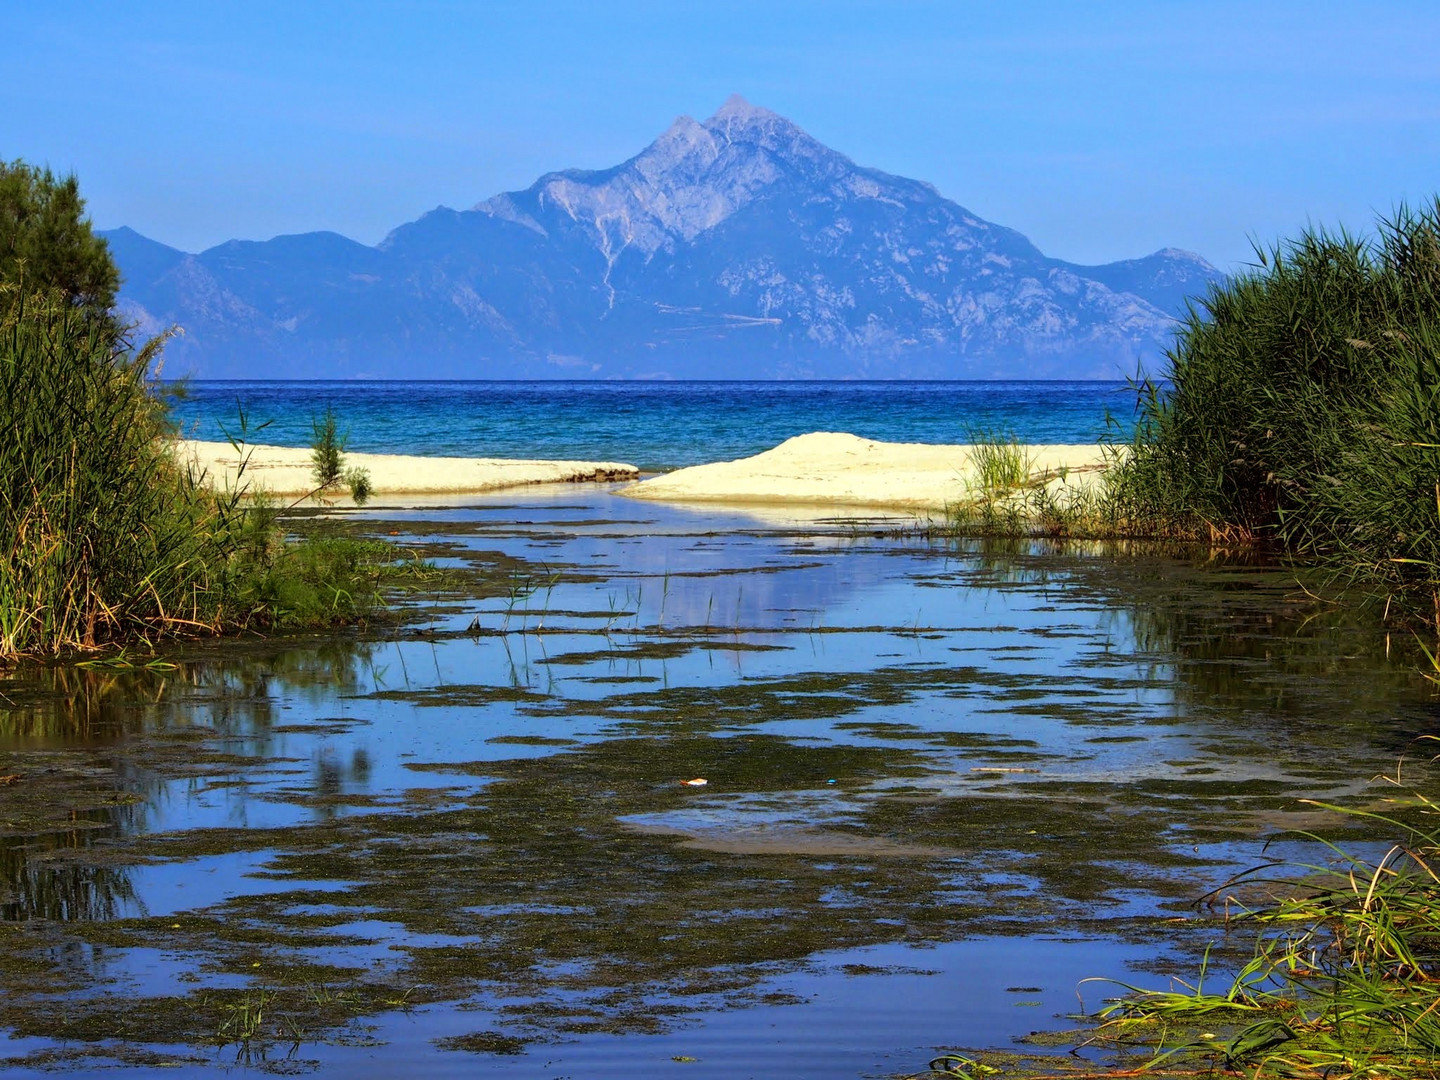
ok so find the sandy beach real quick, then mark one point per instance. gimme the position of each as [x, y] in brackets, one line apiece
[834, 468]
[286, 471]
[815, 470]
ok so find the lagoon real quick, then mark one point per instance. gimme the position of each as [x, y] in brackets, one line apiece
[945, 781]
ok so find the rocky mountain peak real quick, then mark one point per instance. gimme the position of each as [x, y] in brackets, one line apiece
[734, 246]
[733, 139]
[739, 121]
[737, 109]
[690, 179]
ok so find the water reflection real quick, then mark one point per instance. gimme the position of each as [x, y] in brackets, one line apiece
[41, 879]
[902, 744]
[95, 755]
[45, 707]
[226, 687]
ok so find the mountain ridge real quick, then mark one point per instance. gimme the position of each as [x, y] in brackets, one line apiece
[738, 246]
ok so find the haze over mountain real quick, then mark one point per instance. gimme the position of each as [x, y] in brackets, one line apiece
[739, 247]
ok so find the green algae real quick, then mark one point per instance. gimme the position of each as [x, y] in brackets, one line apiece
[654, 648]
[483, 1042]
[591, 890]
[467, 696]
[552, 828]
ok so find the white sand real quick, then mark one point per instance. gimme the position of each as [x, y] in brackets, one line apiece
[834, 468]
[283, 470]
[815, 471]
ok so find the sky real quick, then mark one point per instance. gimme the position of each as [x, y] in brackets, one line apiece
[1101, 130]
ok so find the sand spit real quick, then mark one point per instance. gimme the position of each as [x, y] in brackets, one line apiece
[283, 470]
[822, 469]
[835, 468]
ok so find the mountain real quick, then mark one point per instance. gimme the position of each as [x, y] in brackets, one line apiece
[739, 247]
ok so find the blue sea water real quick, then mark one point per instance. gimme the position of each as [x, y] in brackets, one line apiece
[654, 425]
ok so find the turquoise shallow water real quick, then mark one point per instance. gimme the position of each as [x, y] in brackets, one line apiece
[655, 425]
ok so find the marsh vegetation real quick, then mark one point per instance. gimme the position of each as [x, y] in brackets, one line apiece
[1299, 415]
[1338, 979]
[481, 809]
[1298, 412]
[470, 835]
[105, 538]
[102, 536]
[1343, 977]
[1303, 409]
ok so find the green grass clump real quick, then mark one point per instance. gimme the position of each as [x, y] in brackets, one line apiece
[1303, 409]
[1006, 495]
[313, 582]
[1001, 462]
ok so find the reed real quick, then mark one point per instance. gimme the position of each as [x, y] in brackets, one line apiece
[1344, 980]
[1300, 408]
[102, 536]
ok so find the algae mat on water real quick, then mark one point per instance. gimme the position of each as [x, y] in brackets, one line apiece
[931, 775]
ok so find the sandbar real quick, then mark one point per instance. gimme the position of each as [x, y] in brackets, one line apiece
[818, 470]
[286, 471]
[836, 468]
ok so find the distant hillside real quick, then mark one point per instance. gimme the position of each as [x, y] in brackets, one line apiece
[735, 248]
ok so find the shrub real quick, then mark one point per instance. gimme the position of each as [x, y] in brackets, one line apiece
[327, 451]
[327, 458]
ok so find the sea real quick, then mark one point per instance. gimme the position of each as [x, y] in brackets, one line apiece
[655, 426]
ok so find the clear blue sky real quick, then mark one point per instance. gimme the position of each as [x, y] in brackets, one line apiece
[1102, 130]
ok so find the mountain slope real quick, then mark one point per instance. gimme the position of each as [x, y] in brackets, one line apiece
[739, 247]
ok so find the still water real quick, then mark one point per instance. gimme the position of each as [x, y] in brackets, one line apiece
[944, 782]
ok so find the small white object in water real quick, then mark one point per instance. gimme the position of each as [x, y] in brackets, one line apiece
[699, 781]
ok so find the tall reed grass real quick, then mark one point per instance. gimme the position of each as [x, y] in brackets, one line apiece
[104, 537]
[1303, 409]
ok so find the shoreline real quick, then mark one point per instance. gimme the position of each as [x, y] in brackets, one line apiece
[826, 468]
[815, 470]
[286, 470]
